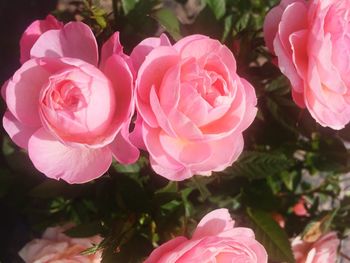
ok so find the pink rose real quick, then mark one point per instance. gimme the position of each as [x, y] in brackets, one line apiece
[214, 240]
[299, 208]
[56, 247]
[192, 105]
[324, 250]
[71, 115]
[311, 42]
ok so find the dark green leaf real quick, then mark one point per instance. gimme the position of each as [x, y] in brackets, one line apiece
[255, 165]
[167, 19]
[227, 27]
[129, 5]
[218, 7]
[271, 236]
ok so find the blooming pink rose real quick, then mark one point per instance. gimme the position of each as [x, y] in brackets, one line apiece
[192, 105]
[70, 115]
[56, 247]
[311, 42]
[324, 250]
[214, 240]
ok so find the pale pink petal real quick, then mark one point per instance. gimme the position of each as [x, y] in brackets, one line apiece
[251, 102]
[213, 224]
[222, 156]
[151, 74]
[74, 40]
[72, 164]
[18, 132]
[206, 46]
[159, 252]
[272, 20]
[118, 72]
[298, 98]
[110, 47]
[169, 91]
[178, 255]
[323, 115]
[136, 135]
[122, 148]
[183, 126]
[113, 47]
[271, 23]
[140, 52]
[161, 162]
[282, 44]
[298, 42]
[162, 118]
[179, 45]
[172, 174]
[23, 90]
[33, 32]
[185, 152]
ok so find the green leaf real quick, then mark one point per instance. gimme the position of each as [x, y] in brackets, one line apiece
[242, 22]
[227, 27]
[288, 179]
[200, 184]
[257, 165]
[129, 5]
[271, 236]
[167, 19]
[218, 7]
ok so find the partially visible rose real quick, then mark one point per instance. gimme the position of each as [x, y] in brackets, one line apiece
[70, 112]
[299, 208]
[311, 42]
[324, 250]
[192, 105]
[214, 240]
[56, 247]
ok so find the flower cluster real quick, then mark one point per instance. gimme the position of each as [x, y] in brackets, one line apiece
[72, 110]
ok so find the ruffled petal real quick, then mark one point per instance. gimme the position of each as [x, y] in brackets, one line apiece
[33, 32]
[72, 164]
[74, 40]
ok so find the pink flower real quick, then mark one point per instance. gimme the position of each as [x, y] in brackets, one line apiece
[192, 105]
[70, 115]
[324, 250]
[299, 208]
[214, 240]
[311, 42]
[54, 246]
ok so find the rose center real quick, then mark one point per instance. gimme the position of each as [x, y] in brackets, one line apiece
[67, 96]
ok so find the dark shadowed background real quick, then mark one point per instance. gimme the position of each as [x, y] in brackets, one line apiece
[15, 16]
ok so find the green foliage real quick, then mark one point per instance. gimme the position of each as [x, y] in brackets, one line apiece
[218, 7]
[272, 237]
[129, 5]
[257, 165]
[168, 20]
